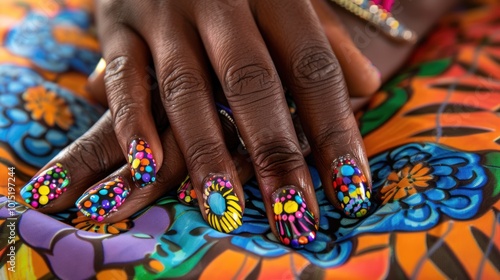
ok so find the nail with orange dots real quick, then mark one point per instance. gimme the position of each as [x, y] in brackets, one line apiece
[103, 199]
[142, 162]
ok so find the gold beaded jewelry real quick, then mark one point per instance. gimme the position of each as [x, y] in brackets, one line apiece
[379, 17]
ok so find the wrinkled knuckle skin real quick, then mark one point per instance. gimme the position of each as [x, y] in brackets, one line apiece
[248, 79]
[91, 155]
[180, 83]
[125, 114]
[118, 70]
[335, 138]
[205, 152]
[277, 158]
[315, 67]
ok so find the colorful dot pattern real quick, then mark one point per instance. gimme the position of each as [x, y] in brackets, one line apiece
[47, 186]
[103, 199]
[351, 187]
[294, 222]
[222, 207]
[186, 193]
[142, 162]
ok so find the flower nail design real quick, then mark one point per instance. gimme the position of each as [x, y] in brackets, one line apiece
[351, 187]
[103, 199]
[222, 206]
[294, 222]
[142, 162]
[46, 187]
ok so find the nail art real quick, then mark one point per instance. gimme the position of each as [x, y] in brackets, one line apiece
[142, 162]
[222, 206]
[186, 193]
[46, 187]
[101, 200]
[294, 222]
[351, 187]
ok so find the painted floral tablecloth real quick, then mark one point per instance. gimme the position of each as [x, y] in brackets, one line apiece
[432, 135]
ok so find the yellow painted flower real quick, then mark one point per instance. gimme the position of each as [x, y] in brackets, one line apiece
[46, 105]
[405, 182]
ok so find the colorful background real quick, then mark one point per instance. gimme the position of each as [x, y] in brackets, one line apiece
[431, 133]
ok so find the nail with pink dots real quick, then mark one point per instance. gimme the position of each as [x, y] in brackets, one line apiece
[45, 187]
[295, 224]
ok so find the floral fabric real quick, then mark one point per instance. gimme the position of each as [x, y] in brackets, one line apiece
[432, 136]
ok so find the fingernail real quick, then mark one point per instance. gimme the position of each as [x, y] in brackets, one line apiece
[46, 187]
[294, 222]
[222, 205]
[101, 200]
[142, 162]
[351, 187]
[186, 193]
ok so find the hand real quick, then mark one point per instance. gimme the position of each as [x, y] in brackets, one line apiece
[195, 38]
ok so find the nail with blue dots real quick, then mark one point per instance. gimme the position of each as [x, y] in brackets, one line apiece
[103, 199]
[142, 162]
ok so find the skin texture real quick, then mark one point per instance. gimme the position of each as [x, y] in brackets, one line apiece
[199, 50]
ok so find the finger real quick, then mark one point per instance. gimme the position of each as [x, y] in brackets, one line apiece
[78, 166]
[361, 76]
[241, 160]
[129, 99]
[188, 100]
[253, 90]
[117, 197]
[313, 75]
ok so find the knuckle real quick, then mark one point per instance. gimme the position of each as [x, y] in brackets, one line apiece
[206, 151]
[118, 70]
[125, 113]
[315, 66]
[182, 82]
[277, 158]
[90, 153]
[335, 137]
[250, 78]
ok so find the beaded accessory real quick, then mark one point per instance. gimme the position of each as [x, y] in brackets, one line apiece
[378, 13]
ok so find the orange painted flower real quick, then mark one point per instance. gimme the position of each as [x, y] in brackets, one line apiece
[405, 182]
[85, 223]
[46, 105]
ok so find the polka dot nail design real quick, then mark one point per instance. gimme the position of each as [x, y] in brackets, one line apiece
[103, 199]
[351, 187]
[186, 193]
[45, 187]
[294, 222]
[142, 163]
[222, 206]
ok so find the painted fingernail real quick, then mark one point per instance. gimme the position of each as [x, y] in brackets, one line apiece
[46, 187]
[351, 187]
[294, 222]
[186, 193]
[142, 162]
[103, 199]
[222, 205]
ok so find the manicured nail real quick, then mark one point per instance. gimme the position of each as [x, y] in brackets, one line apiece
[294, 222]
[46, 187]
[101, 200]
[142, 162]
[186, 193]
[222, 206]
[351, 187]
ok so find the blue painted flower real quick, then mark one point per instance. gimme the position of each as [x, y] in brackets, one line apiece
[33, 38]
[421, 183]
[38, 118]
